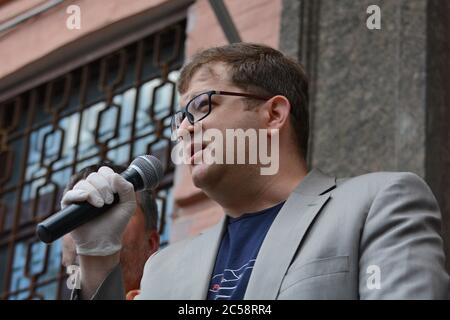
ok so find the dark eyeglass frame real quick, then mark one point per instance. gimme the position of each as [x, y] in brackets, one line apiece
[189, 116]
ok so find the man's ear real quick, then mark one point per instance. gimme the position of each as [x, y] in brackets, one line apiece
[153, 241]
[276, 112]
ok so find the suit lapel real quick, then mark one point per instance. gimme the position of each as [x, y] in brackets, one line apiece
[203, 264]
[286, 233]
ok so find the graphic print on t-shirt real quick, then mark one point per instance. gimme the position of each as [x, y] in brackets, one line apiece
[238, 252]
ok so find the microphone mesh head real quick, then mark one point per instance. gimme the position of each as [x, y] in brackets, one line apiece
[152, 169]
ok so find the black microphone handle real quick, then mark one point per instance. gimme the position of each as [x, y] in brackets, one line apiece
[69, 219]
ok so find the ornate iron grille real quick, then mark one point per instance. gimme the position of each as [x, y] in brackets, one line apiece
[114, 108]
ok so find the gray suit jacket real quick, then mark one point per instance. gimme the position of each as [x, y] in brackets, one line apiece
[375, 236]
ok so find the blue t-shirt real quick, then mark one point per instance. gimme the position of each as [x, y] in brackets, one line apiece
[237, 253]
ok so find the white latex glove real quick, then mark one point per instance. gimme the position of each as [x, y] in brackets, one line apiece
[102, 236]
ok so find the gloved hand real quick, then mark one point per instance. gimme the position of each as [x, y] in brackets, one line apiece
[102, 236]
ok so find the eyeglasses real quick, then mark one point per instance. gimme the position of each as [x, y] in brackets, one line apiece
[199, 107]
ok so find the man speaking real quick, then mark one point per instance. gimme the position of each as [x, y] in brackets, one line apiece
[290, 235]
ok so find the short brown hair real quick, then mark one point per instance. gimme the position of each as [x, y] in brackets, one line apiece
[263, 70]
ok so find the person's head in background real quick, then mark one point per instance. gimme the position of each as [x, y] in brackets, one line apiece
[140, 239]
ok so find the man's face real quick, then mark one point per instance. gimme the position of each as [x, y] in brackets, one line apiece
[228, 112]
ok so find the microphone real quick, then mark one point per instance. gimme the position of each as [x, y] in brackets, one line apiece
[145, 172]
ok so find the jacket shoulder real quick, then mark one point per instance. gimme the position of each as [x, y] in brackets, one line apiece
[174, 253]
[378, 180]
